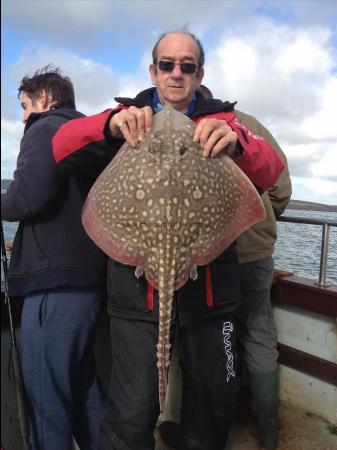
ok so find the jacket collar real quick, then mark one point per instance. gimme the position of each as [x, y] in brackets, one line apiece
[69, 113]
[34, 117]
[203, 106]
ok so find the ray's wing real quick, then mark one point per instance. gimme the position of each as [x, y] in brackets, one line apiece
[112, 213]
[233, 206]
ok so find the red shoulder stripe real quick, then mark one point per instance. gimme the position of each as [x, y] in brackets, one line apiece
[78, 133]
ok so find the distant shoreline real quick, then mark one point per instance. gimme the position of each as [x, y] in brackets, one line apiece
[294, 204]
[311, 206]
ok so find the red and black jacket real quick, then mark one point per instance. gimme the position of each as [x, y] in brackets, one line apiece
[82, 144]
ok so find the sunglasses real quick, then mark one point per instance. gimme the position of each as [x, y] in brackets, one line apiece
[185, 67]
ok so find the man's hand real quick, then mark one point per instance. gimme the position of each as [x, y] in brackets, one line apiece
[216, 136]
[132, 124]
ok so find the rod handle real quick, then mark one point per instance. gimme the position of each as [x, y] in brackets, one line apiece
[20, 400]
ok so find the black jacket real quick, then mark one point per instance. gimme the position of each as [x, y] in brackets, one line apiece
[51, 248]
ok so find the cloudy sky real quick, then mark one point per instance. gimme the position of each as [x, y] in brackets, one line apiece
[277, 59]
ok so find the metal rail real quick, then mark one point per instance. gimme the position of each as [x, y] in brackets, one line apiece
[326, 224]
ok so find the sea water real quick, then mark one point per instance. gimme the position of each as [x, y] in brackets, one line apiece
[298, 246]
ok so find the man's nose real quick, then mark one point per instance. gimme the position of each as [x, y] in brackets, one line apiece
[176, 72]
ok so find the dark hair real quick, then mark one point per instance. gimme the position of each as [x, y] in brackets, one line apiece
[58, 87]
[205, 91]
[201, 60]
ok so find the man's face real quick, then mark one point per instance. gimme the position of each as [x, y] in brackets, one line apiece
[29, 106]
[176, 88]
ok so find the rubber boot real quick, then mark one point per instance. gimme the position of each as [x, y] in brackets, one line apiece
[264, 386]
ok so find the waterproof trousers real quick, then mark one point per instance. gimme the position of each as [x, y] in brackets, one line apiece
[256, 330]
[258, 345]
[207, 353]
[64, 398]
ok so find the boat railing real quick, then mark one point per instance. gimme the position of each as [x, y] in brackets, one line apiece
[326, 224]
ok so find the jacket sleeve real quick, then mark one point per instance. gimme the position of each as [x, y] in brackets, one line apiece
[84, 144]
[259, 160]
[280, 192]
[36, 178]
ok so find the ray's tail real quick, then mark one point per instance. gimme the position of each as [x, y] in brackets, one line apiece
[166, 290]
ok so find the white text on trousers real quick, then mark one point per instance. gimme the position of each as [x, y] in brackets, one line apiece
[227, 330]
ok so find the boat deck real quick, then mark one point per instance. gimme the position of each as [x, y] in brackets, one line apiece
[299, 430]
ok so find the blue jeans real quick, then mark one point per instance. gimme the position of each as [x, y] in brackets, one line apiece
[64, 397]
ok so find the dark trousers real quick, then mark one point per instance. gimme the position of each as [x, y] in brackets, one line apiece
[209, 361]
[64, 398]
[256, 329]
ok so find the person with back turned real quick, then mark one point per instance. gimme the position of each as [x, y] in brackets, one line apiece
[60, 273]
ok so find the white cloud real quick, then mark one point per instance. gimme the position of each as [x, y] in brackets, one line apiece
[94, 82]
[304, 54]
[286, 81]
[11, 133]
[321, 124]
[255, 66]
[317, 190]
[282, 73]
[96, 24]
[74, 22]
[327, 166]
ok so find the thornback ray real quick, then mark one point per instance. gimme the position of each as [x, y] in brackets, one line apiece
[165, 208]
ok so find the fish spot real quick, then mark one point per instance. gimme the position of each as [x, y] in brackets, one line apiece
[140, 194]
[197, 194]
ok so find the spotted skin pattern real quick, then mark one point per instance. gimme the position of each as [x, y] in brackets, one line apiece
[164, 208]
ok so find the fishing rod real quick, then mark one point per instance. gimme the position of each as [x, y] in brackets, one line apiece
[14, 356]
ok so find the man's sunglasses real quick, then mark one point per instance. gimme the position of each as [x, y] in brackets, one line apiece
[185, 67]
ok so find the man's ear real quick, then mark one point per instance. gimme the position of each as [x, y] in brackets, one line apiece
[153, 74]
[43, 98]
[200, 75]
